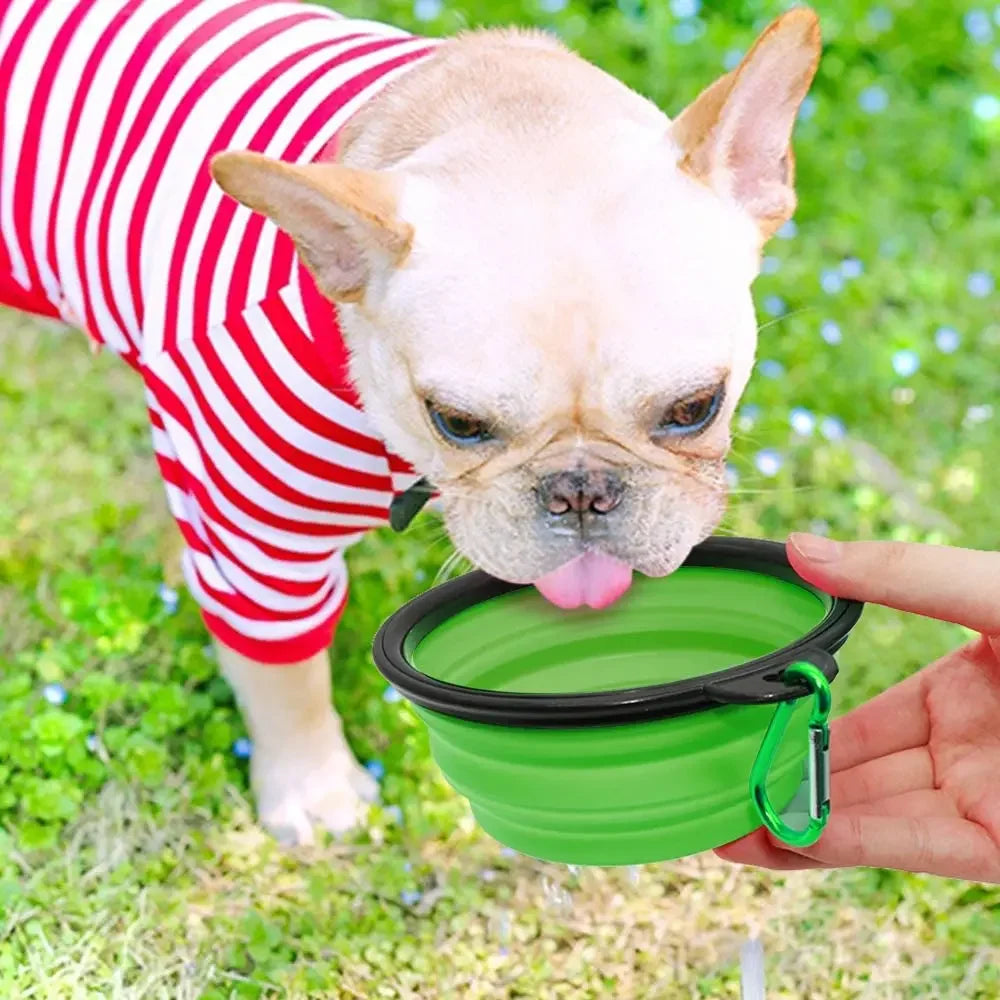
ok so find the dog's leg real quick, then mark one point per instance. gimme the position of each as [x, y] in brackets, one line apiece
[302, 770]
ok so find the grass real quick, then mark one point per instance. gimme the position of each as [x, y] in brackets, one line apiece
[129, 862]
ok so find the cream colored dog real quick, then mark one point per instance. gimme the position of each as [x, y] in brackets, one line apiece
[542, 281]
[545, 287]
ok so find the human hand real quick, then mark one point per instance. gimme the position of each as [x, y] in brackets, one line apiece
[915, 771]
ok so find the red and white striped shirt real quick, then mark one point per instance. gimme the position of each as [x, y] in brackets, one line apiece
[110, 220]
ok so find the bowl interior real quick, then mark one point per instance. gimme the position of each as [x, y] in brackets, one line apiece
[696, 621]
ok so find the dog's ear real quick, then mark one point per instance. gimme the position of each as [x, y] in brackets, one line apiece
[343, 221]
[736, 136]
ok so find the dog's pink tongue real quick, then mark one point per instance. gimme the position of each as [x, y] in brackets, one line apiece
[594, 579]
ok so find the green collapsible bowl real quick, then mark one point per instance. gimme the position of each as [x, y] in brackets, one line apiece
[687, 714]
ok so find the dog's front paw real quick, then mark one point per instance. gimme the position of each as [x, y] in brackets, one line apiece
[295, 795]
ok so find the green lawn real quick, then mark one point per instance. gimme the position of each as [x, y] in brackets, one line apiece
[129, 862]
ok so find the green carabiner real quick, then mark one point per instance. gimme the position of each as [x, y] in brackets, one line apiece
[819, 758]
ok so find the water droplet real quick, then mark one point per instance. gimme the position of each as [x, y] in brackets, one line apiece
[807, 108]
[980, 284]
[802, 421]
[906, 363]
[788, 231]
[732, 477]
[732, 58]
[832, 429]
[391, 695]
[685, 8]
[770, 265]
[873, 100]
[986, 107]
[769, 462]
[830, 332]
[831, 281]
[376, 769]
[851, 267]
[774, 305]
[54, 694]
[771, 369]
[169, 597]
[410, 897]
[977, 26]
[556, 897]
[947, 339]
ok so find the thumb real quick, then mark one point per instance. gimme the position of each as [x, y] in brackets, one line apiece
[950, 584]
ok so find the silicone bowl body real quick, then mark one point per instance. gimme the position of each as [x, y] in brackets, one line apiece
[621, 736]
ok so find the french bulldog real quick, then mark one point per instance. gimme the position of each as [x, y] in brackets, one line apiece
[478, 262]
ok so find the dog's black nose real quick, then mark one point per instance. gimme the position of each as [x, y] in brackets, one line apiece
[580, 492]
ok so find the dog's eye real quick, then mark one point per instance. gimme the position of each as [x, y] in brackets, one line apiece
[690, 415]
[458, 428]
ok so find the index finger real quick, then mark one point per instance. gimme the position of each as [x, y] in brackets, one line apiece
[950, 584]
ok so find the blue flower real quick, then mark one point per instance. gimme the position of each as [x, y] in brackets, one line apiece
[947, 339]
[980, 284]
[732, 58]
[771, 369]
[770, 265]
[802, 421]
[688, 31]
[394, 814]
[732, 477]
[851, 267]
[873, 100]
[788, 231]
[906, 363]
[880, 19]
[242, 748]
[986, 107]
[376, 769]
[830, 332]
[92, 742]
[410, 897]
[774, 305]
[769, 462]
[749, 413]
[977, 25]
[832, 429]
[391, 695]
[427, 10]
[169, 597]
[831, 281]
[54, 694]
[807, 108]
[685, 8]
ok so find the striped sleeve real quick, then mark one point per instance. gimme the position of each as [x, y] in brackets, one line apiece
[271, 471]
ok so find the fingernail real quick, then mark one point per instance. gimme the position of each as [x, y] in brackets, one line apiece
[816, 548]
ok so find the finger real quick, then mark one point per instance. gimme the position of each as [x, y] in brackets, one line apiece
[876, 780]
[947, 846]
[951, 584]
[892, 722]
[921, 803]
[759, 850]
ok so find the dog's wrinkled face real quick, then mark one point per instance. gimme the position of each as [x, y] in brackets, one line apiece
[558, 340]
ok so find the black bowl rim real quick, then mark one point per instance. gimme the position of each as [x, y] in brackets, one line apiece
[754, 682]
